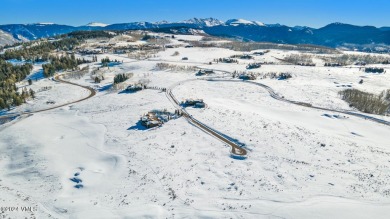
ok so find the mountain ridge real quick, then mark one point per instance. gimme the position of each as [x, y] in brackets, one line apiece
[334, 34]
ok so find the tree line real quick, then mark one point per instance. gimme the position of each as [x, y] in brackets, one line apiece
[9, 75]
[350, 59]
[65, 62]
[120, 78]
[39, 50]
[367, 102]
[91, 34]
[374, 70]
[300, 59]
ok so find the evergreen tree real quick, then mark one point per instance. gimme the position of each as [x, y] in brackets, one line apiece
[32, 93]
[97, 80]
[2, 104]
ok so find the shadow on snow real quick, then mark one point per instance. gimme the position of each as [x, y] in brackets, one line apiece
[137, 126]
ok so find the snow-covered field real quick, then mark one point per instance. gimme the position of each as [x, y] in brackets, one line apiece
[93, 159]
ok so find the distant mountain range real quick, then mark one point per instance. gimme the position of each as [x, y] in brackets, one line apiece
[333, 35]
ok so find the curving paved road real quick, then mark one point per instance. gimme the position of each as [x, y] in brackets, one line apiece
[57, 78]
[274, 95]
[236, 150]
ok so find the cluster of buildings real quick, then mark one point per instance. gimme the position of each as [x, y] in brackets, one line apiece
[226, 60]
[157, 118]
[361, 63]
[118, 49]
[258, 53]
[332, 64]
[374, 70]
[135, 87]
[306, 64]
[246, 56]
[284, 76]
[91, 51]
[247, 76]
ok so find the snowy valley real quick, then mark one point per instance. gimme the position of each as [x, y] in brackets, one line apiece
[272, 136]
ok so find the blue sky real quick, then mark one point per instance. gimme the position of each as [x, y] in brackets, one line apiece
[314, 13]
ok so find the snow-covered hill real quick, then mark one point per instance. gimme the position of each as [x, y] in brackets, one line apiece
[96, 24]
[6, 38]
[236, 22]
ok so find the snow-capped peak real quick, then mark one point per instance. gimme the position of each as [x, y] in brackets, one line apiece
[209, 22]
[96, 24]
[162, 22]
[258, 23]
[45, 23]
[300, 27]
[236, 22]
[41, 23]
[274, 25]
[337, 23]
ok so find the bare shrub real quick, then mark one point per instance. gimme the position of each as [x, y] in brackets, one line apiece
[121, 85]
[226, 60]
[159, 41]
[202, 44]
[374, 70]
[210, 38]
[78, 73]
[270, 75]
[299, 59]
[367, 102]
[350, 59]
[175, 68]
[385, 95]
[141, 55]
[249, 46]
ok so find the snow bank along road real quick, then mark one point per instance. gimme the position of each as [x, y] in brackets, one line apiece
[57, 78]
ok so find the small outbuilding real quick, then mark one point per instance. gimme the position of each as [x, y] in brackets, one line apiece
[204, 72]
[246, 56]
[253, 65]
[258, 53]
[134, 87]
[247, 76]
[197, 103]
[332, 64]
